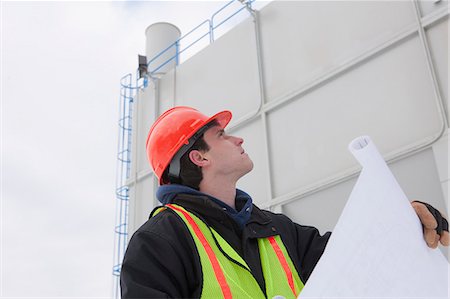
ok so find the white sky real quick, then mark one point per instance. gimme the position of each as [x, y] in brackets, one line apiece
[60, 68]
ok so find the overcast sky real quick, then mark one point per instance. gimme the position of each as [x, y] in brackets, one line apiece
[60, 68]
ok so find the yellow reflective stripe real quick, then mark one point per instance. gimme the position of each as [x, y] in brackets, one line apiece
[282, 259]
[157, 211]
[297, 281]
[274, 273]
[210, 254]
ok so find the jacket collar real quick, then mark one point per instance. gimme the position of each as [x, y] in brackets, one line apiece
[207, 208]
[241, 215]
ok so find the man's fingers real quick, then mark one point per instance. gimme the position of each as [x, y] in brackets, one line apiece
[445, 238]
[435, 225]
[427, 219]
[431, 237]
[436, 242]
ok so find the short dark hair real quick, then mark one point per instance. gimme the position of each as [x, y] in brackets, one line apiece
[190, 174]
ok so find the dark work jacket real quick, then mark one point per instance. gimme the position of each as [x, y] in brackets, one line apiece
[162, 261]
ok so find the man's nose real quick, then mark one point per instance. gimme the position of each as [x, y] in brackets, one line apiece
[239, 140]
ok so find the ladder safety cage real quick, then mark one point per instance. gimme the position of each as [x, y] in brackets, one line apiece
[123, 173]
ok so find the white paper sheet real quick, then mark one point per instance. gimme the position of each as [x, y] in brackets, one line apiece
[377, 248]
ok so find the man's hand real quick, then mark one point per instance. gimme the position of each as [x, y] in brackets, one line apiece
[435, 226]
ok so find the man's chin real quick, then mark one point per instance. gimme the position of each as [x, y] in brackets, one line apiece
[249, 168]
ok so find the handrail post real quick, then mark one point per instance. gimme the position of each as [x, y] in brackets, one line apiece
[211, 32]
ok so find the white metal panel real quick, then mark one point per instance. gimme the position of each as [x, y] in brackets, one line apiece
[441, 152]
[419, 178]
[438, 38]
[166, 91]
[304, 39]
[145, 195]
[144, 102]
[321, 209]
[430, 6]
[223, 75]
[389, 98]
[132, 218]
[445, 189]
[141, 190]
[256, 182]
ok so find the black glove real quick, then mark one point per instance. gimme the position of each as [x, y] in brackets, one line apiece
[442, 223]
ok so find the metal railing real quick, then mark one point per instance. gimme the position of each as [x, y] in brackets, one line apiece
[206, 29]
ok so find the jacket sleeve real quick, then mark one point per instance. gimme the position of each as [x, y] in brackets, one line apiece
[155, 266]
[310, 247]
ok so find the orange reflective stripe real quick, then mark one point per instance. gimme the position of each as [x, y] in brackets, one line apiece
[212, 257]
[283, 263]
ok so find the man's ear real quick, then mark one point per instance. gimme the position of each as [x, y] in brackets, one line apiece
[198, 158]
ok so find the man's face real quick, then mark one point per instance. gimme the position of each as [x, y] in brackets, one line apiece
[226, 156]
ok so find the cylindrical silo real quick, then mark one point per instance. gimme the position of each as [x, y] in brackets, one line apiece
[161, 47]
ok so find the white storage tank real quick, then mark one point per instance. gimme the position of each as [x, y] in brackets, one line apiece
[161, 37]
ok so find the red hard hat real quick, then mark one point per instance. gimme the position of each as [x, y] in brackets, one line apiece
[172, 130]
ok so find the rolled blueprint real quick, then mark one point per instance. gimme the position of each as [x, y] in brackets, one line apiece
[377, 249]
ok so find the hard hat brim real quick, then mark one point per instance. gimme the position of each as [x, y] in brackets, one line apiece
[222, 117]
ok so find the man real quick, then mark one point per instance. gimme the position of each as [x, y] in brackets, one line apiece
[209, 240]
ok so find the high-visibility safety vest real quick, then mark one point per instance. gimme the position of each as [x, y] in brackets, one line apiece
[226, 275]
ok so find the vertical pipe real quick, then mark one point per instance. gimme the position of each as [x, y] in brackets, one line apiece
[156, 114]
[430, 65]
[262, 92]
[211, 32]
